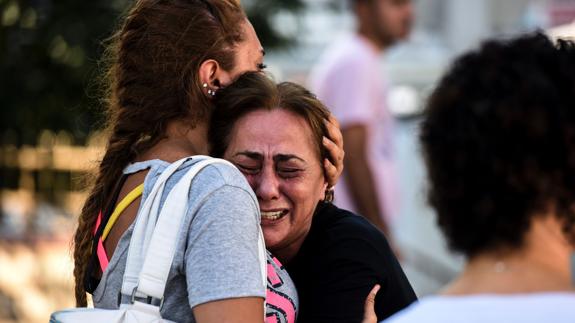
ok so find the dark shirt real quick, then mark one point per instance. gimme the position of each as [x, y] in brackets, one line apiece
[341, 259]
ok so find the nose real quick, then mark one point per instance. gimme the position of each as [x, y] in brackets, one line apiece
[267, 185]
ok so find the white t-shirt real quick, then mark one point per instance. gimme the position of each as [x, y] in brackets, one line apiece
[348, 81]
[520, 308]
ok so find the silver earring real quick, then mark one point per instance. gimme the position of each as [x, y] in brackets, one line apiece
[210, 91]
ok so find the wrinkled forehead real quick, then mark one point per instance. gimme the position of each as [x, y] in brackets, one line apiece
[276, 131]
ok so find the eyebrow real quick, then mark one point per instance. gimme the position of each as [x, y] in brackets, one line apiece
[286, 157]
[249, 154]
[277, 158]
[263, 52]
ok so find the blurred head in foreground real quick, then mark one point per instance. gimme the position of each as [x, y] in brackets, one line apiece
[499, 141]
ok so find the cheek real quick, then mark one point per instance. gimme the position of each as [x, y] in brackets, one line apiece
[305, 195]
[252, 180]
[244, 65]
[241, 67]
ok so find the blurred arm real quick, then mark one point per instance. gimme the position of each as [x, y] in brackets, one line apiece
[360, 175]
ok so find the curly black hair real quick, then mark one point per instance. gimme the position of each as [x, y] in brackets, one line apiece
[498, 138]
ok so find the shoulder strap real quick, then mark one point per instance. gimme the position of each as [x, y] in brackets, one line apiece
[124, 203]
[143, 229]
[90, 280]
[101, 253]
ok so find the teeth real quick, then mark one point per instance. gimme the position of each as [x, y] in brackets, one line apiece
[272, 215]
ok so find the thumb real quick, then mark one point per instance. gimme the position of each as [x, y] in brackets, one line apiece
[369, 307]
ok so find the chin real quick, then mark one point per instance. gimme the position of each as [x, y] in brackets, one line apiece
[271, 243]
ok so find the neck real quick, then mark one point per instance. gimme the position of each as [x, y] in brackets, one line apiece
[377, 45]
[180, 141]
[541, 265]
[285, 255]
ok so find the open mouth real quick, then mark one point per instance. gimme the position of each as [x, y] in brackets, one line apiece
[273, 215]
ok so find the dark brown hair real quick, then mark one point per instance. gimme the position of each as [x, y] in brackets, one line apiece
[153, 79]
[255, 91]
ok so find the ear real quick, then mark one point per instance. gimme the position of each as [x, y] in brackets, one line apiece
[213, 75]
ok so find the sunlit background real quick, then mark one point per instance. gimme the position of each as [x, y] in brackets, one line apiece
[50, 115]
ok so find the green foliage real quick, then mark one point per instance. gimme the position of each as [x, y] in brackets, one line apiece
[262, 13]
[49, 52]
[48, 55]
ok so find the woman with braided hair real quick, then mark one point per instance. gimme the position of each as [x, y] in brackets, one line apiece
[168, 59]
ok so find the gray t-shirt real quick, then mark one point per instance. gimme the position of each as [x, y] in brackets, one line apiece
[216, 259]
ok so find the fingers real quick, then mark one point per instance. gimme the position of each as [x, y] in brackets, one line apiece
[370, 300]
[335, 150]
[331, 172]
[334, 146]
[369, 315]
[335, 168]
[333, 131]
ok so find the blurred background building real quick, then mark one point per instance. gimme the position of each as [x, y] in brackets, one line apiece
[50, 113]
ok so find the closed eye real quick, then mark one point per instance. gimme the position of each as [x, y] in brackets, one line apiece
[248, 170]
[288, 172]
[262, 66]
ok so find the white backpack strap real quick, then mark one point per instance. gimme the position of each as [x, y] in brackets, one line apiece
[143, 229]
[160, 254]
[262, 252]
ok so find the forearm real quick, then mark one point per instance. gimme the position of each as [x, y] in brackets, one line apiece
[233, 310]
[363, 190]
